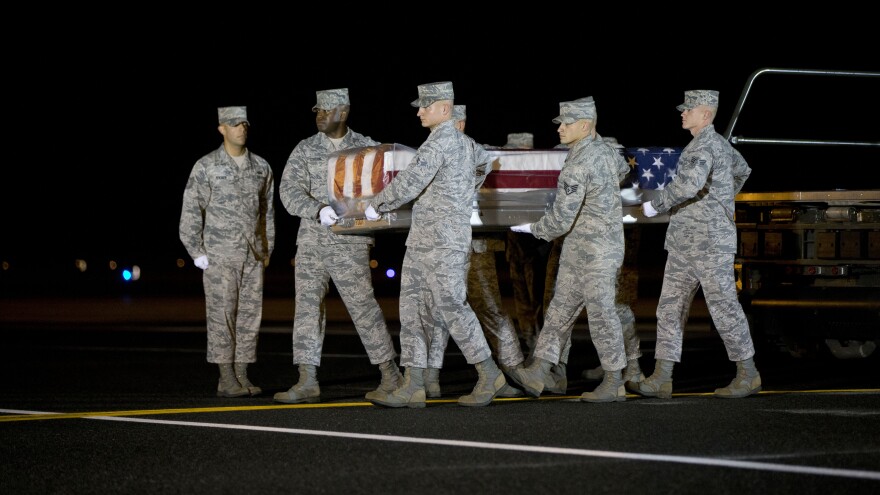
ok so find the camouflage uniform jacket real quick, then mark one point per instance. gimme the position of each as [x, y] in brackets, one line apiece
[484, 242]
[700, 200]
[442, 177]
[228, 211]
[587, 206]
[303, 187]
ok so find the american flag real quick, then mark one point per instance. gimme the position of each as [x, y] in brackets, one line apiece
[652, 168]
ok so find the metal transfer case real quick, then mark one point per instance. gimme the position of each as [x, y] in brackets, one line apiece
[520, 187]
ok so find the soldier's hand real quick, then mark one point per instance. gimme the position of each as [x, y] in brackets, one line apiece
[630, 195]
[649, 210]
[201, 262]
[371, 213]
[328, 216]
[525, 228]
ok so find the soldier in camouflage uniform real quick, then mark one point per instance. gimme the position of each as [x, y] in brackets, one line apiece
[227, 225]
[588, 208]
[432, 287]
[483, 293]
[527, 259]
[323, 255]
[533, 264]
[627, 295]
[701, 245]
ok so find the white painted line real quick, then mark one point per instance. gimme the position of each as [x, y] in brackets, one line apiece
[700, 461]
[758, 466]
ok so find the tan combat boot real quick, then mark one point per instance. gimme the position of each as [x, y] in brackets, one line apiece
[746, 382]
[592, 374]
[508, 391]
[532, 378]
[610, 390]
[633, 372]
[660, 383]
[490, 382]
[432, 383]
[228, 386]
[410, 394]
[241, 376]
[556, 382]
[391, 380]
[305, 390]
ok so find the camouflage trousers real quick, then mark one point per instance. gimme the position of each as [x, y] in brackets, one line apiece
[584, 282]
[628, 292]
[484, 297]
[683, 275]
[348, 267]
[528, 263]
[233, 310]
[552, 270]
[625, 296]
[433, 302]
[631, 341]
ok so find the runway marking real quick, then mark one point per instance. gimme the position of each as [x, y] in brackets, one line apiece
[39, 415]
[827, 412]
[700, 461]
[18, 415]
[187, 350]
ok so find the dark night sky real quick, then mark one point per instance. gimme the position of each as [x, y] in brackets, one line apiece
[107, 126]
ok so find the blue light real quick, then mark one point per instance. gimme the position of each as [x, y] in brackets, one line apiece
[390, 273]
[126, 275]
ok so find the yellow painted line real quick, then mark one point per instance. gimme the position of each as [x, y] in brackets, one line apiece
[149, 412]
[334, 405]
[198, 410]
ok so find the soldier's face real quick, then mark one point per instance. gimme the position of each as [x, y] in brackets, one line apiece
[235, 134]
[577, 130]
[693, 118]
[432, 114]
[328, 121]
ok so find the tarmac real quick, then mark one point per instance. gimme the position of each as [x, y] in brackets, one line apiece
[189, 310]
[106, 398]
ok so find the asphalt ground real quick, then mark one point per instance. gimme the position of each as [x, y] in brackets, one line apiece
[122, 405]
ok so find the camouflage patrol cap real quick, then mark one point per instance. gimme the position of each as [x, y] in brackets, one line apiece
[459, 112]
[520, 140]
[429, 93]
[328, 99]
[697, 97]
[572, 111]
[232, 116]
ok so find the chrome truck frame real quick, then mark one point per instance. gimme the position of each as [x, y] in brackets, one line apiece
[809, 261]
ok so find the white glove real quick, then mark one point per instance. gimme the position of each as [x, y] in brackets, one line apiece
[202, 262]
[630, 195]
[649, 210]
[525, 228]
[328, 216]
[371, 213]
